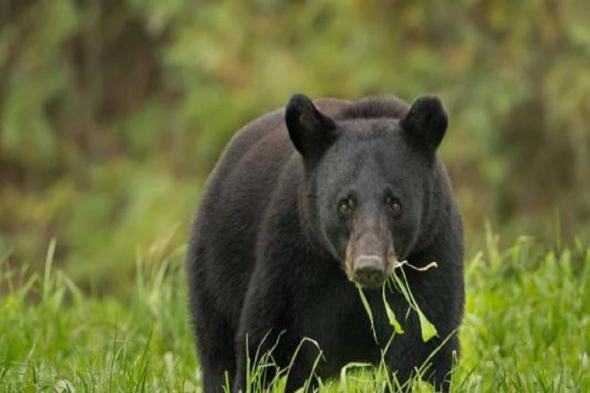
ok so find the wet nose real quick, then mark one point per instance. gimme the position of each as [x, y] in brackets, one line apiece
[369, 271]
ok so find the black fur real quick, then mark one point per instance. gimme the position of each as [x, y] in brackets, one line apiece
[267, 245]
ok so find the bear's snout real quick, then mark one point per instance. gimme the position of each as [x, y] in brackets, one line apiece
[369, 256]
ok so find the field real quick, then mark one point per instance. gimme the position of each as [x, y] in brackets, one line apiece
[526, 328]
[114, 112]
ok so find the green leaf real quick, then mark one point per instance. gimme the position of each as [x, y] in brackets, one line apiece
[427, 329]
[391, 315]
[368, 310]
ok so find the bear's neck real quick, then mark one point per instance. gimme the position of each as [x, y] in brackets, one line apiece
[435, 208]
[309, 219]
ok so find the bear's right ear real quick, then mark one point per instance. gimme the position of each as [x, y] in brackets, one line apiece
[311, 131]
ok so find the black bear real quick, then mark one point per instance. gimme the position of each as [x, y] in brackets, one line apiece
[306, 204]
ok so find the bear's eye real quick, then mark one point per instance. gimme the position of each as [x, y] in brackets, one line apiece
[394, 205]
[345, 206]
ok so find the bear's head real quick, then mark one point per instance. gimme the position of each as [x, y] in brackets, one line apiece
[367, 181]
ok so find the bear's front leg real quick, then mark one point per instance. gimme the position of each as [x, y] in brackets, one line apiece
[267, 330]
[432, 360]
[440, 294]
[409, 355]
[263, 323]
[302, 359]
[296, 363]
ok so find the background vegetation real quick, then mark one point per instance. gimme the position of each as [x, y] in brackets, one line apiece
[113, 112]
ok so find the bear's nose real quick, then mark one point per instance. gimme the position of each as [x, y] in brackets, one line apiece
[369, 271]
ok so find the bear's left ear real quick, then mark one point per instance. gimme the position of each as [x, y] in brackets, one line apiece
[426, 123]
[311, 131]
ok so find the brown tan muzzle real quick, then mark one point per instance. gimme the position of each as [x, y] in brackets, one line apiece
[370, 255]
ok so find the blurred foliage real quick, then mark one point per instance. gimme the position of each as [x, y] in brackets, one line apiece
[112, 112]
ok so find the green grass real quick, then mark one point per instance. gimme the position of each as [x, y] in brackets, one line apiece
[526, 328]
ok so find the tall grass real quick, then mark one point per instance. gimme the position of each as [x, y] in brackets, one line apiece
[526, 328]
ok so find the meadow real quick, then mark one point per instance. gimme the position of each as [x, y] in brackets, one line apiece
[113, 113]
[526, 327]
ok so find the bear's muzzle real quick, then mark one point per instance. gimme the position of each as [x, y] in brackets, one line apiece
[370, 255]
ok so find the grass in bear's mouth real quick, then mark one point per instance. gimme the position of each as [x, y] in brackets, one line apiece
[526, 328]
[398, 280]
